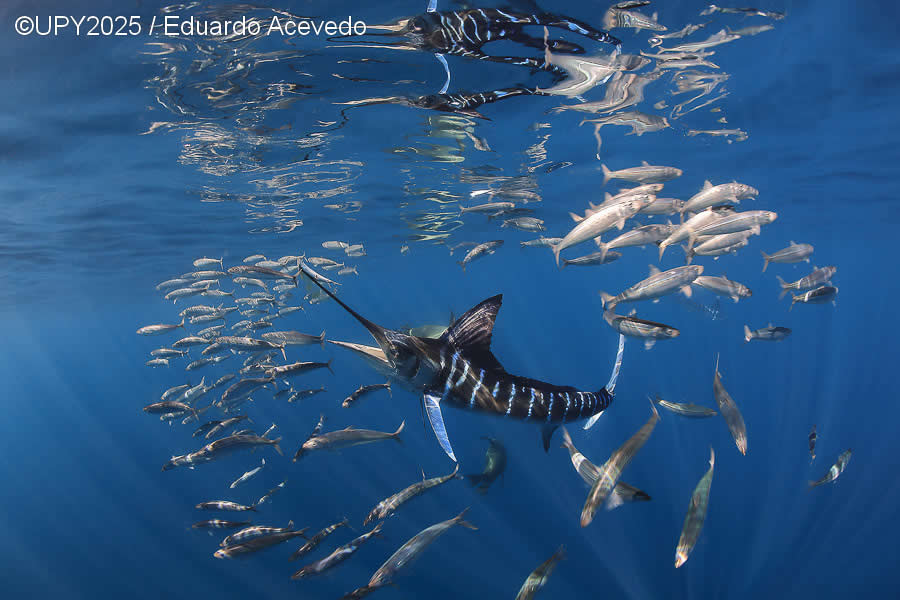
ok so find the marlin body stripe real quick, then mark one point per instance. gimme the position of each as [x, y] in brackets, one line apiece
[464, 384]
[459, 369]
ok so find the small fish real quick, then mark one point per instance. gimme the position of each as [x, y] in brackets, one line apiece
[243, 389]
[322, 262]
[524, 224]
[389, 505]
[613, 467]
[259, 542]
[202, 362]
[404, 249]
[366, 389]
[538, 578]
[631, 326]
[541, 242]
[730, 412]
[221, 426]
[589, 472]
[338, 556]
[157, 362]
[173, 283]
[732, 222]
[191, 340]
[494, 466]
[723, 287]
[769, 334]
[167, 352]
[639, 236]
[225, 505]
[248, 474]
[317, 539]
[712, 8]
[253, 259]
[593, 259]
[819, 276]
[792, 254]
[489, 207]
[300, 394]
[346, 438]
[222, 447]
[646, 173]
[708, 245]
[294, 338]
[407, 553]
[348, 270]
[335, 245]
[199, 309]
[688, 229]
[663, 206]
[813, 436]
[696, 515]
[297, 368]
[207, 262]
[168, 406]
[835, 471]
[456, 247]
[751, 30]
[174, 392]
[260, 272]
[197, 275]
[265, 497]
[219, 524]
[245, 281]
[159, 329]
[174, 295]
[222, 381]
[248, 344]
[820, 295]
[658, 284]
[689, 410]
[480, 250]
[211, 332]
[600, 221]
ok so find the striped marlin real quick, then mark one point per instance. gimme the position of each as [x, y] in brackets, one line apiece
[459, 369]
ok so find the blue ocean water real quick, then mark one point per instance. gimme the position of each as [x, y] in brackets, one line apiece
[125, 158]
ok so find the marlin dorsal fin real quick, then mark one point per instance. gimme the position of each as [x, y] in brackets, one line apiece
[653, 270]
[644, 163]
[473, 330]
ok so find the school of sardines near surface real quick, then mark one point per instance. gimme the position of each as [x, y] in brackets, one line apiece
[237, 318]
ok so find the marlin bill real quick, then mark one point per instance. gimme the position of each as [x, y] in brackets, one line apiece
[459, 369]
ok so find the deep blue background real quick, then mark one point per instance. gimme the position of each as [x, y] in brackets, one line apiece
[95, 214]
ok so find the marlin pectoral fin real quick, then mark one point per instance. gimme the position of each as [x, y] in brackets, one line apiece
[547, 433]
[432, 403]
